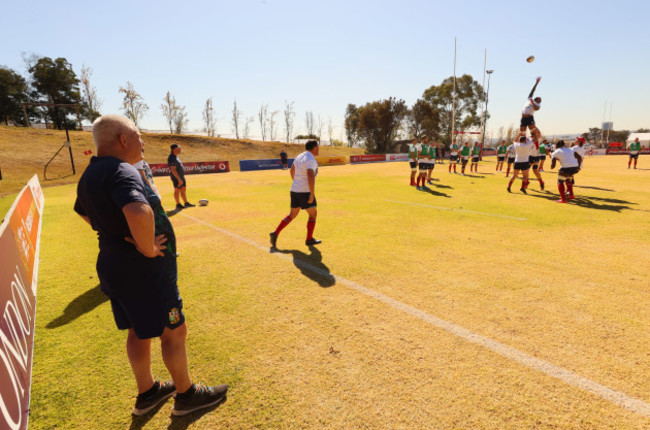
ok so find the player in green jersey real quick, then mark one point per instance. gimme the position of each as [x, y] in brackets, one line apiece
[501, 155]
[433, 153]
[453, 156]
[464, 157]
[635, 150]
[476, 153]
[544, 149]
[423, 163]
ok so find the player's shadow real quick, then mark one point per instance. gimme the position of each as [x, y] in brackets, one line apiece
[474, 176]
[449, 187]
[592, 188]
[177, 423]
[172, 212]
[436, 193]
[587, 201]
[311, 265]
[82, 304]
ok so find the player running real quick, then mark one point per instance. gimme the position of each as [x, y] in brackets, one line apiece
[476, 152]
[522, 163]
[527, 119]
[570, 162]
[413, 159]
[635, 150]
[501, 155]
[453, 155]
[510, 155]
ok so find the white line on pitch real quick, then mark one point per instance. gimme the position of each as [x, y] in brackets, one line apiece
[442, 208]
[635, 405]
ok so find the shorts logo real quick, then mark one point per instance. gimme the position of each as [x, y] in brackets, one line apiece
[174, 316]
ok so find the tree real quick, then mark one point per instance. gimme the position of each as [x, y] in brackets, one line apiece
[208, 118]
[247, 127]
[352, 124]
[56, 82]
[92, 103]
[13, 93]
[379, 122]
[262, 116]
[467, 98]
[309, 122]
[133, 104]
[319, 126]
[236, 119]
[170, 110]
[180, 120]
[422, 118]
[272, 128]
[289, 116]
[330, 129]
[643, 130]
[619, 135]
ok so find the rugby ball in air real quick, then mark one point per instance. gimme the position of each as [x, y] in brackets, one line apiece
[530, 59]
[203, 202]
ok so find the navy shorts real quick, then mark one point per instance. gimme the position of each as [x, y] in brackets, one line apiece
[431, 166]
[301, 200]
[533, 160]
[413, 164]
[453, 158]
[635, 156]
[423, 166]
[568, 171]
[501, 157]
[527, 121]
[522, 166]
[511, 160]
[474, 159]
[463, 160]
[175, 181]
[542, 157]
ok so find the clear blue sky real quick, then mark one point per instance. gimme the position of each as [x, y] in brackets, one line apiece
[324, 55]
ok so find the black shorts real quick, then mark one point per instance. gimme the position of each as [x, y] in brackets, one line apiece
[464, 160]
[175, 181]
[423, 165]
[533, 160]
[527, 121]
[501, 157]
[522, 166]
[542, 157]
[635, 156]
[413, 164]
[568, 171]
[431, 166]
[511, 160]
[300, 200]
[453, 158]
[475, 159]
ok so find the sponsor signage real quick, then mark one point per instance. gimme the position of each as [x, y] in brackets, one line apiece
[269, 164]
[20, 235]
[489, 151]
[369, 158]
[330, 161]
[397, 157]
[615, 151]
[162, 169]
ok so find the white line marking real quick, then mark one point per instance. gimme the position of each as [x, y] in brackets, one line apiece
[635, 405]
[458, 210]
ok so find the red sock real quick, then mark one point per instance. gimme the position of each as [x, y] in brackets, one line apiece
[450, 168]
[569, 187]
[285, 222]
[562, 190]
[311, 224]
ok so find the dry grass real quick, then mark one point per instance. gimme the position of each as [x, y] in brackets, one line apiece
[568, 285]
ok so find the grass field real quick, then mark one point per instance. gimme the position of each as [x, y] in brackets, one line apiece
[379, 326]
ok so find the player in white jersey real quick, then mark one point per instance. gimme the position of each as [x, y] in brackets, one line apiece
[522, 163]
[527, 119]
[579, 147]
[570, 162]
[413, 159]
[534, 162]
[510, 155]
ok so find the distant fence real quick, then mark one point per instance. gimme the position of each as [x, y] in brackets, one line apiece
[162, 169]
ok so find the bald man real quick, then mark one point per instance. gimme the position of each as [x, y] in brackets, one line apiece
[136, 266]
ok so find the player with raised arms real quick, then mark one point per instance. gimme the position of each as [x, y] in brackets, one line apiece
[569, 165]
[527, 119]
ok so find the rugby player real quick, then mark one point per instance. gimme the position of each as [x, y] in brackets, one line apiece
[510, 155]
[413, 159]
[433, 153]
[635, 150]
[522, 162]
[424, 155]
[534, 163]
[570, 162]
[527, 119]
[476, 152]
[464, 157]
[543, 150]
[501, 155]
[453, 155]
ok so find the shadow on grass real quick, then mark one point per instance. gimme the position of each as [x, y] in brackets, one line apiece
[443, 186]
[177, 423]
[469, 175]
[172, 212]
[79, 306]
[587, 201]
[592, 188]
[436, 193]
[311, 265]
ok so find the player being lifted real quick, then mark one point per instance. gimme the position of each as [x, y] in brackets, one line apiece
[413, 159]
[501, 155]
[569, 165]
[527, 119]
[453, 155]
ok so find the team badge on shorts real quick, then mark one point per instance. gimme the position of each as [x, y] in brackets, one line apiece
[174, 316]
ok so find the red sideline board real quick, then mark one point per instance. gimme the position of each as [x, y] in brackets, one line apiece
[369, 158]
[20, 235]
[616, 151]
[193, 168]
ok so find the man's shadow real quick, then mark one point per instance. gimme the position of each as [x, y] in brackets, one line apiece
[177, 423]
[311, 265]
[79, 306]
[588, 202]
[443, 186]
[172, 212]
[436, 193]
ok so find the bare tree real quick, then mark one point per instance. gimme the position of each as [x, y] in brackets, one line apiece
[272, 123]
[133, 104]
[289, 117]
[236, 119]
[309, 122]
[180, 120]
[330, 129]
[170, 110]
[501, 134]
[247, 126]
[208, 118]
[262, 117]
[319, 124]
[92, 101]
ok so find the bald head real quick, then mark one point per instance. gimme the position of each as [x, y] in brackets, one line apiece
[118, 137]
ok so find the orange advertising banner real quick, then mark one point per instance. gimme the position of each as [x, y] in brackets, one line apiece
[20, 234]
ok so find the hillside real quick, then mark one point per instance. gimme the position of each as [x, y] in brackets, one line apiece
[25, 151]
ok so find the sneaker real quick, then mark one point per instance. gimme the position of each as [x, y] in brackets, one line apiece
[203, 397]
[189, 205]
[571, 197]
[509, 190]
[523, 190]
[312, 241]
[274, 238]
[179, 206]
[542, 185]
[419, 188]
[144, 404]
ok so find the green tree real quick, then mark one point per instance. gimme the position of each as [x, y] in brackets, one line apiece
[14, 91]
[468, 96]
[593, 135]
[56, 82]
[352, 124]
[379, 121]
[643, 130]
[422, 118]
[619, 135]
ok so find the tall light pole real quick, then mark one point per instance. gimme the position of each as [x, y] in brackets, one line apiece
[485, 112]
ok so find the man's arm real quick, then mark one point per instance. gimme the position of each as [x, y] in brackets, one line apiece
[292, 171]
[553, 160]
[311, 180]
[579, 158]
[175, 173]
[141, 222]
[534, 87]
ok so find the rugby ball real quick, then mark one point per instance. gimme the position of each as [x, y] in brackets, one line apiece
[203, 202]
[530, 59]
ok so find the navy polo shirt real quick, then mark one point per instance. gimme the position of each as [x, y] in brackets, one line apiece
[173, 160]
